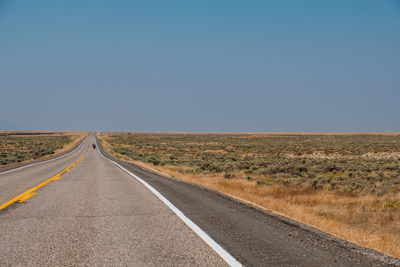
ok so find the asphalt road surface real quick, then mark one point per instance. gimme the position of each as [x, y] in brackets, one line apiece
[84, 209]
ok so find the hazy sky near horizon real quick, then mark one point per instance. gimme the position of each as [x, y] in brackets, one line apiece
[200, 65]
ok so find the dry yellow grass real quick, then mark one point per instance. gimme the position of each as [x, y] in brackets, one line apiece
[76, 137]
[367, 220]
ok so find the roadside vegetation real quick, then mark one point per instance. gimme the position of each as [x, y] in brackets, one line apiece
[347, 185]
[17, 147]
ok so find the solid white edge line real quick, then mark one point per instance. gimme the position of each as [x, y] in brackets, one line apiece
[228, 258]
[45, 161]
[203, 235]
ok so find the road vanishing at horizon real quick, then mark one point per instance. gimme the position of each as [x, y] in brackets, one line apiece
[86, 208]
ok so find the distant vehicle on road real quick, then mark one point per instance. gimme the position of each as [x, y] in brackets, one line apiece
[94, 146]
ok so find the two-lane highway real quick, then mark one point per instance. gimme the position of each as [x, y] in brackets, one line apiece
[95, 214]
[98, 211]
[17, 181]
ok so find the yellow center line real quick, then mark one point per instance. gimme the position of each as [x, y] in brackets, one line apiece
[27, 194]
[26, 197]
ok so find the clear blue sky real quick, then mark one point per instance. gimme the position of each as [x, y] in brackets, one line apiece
[200, 65]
